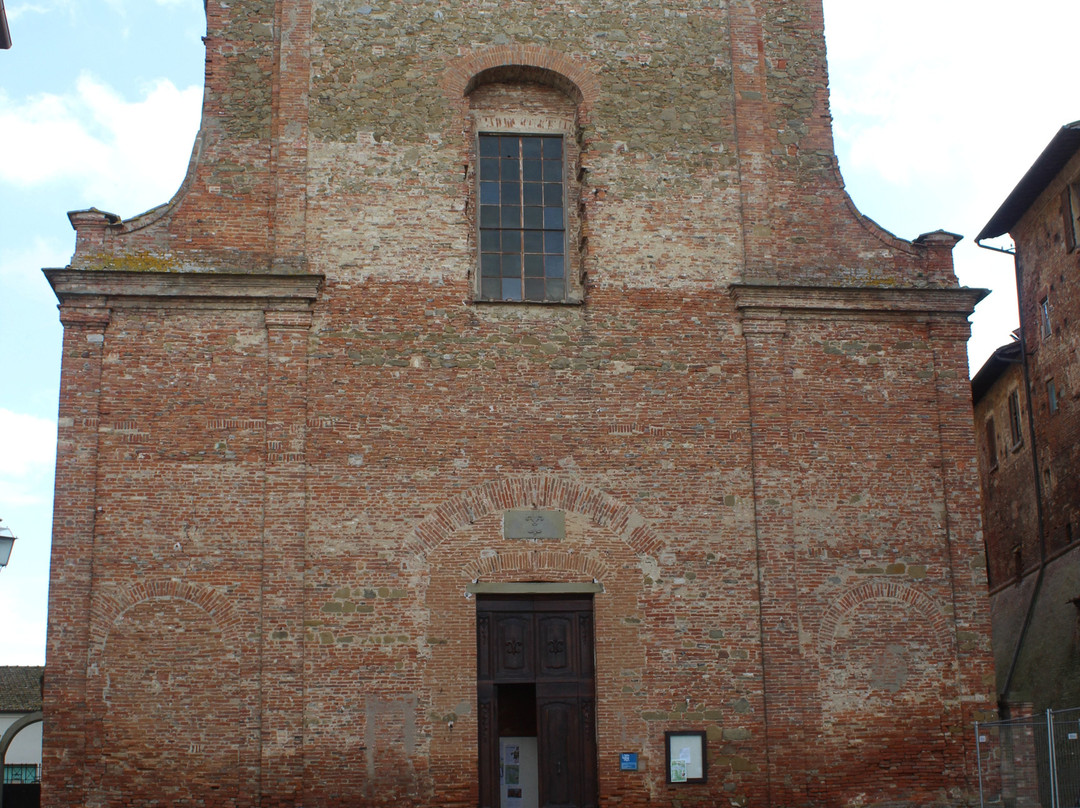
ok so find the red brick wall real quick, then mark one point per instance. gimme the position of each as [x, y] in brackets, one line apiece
[292, 478]
[1038, 479]
[1048, 271]
[1007, 481]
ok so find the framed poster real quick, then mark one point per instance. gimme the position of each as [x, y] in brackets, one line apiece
[686, 756]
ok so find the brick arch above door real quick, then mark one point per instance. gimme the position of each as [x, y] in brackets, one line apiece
[551, 492]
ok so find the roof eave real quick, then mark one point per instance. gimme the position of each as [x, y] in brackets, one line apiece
[5, 32]
[992, 369]
[1053, 158]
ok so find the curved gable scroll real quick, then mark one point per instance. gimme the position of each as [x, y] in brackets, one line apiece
[531, 63]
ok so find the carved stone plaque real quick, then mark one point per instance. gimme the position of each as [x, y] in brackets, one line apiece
[534, 525]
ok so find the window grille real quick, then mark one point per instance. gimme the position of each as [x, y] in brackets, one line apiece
[522, 218]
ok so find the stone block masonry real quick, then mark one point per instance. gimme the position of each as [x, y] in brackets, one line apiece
[290, 435]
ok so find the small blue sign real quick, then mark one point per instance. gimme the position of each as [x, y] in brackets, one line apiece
[628, 762]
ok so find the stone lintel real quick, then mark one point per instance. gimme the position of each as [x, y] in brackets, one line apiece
[533, 588]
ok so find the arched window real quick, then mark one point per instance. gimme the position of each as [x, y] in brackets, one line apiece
[526, 193]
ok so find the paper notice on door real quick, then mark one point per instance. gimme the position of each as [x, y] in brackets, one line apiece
[511, 769]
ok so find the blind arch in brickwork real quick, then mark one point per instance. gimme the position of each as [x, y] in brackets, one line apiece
[115, 605]
[845, 605]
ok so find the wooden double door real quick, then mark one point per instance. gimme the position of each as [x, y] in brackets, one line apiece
[536, 678]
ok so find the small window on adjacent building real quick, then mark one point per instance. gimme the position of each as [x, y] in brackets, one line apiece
[1015, 435]
[1051, 396]
[522, 218]
[991, 444]
[1044, 316]
[1070, 211]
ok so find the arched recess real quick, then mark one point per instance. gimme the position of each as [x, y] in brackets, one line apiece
[885, 650]
[9, 736]
[528, 235]
[164, 687]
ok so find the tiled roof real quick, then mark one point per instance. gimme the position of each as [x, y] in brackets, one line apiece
[20, 688]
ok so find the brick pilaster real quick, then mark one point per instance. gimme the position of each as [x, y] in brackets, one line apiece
[71, 574]
[283, 559]
[290, 132]
[962, 529]
[787, 693]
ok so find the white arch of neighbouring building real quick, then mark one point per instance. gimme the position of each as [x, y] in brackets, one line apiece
[9, 736]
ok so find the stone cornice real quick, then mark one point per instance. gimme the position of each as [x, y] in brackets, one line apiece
[205, 289]
[771, 300]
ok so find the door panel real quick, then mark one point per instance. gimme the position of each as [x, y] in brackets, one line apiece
[560, 763]
[588, 753]
[483, 646]
[586, 666]
[557, 645]
[514, 650]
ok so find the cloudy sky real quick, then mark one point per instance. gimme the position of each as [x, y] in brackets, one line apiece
[939, 106]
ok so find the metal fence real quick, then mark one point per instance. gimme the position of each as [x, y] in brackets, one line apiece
[21, 773]
[1030, 762]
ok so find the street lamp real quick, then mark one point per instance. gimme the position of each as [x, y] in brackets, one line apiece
[7, 541]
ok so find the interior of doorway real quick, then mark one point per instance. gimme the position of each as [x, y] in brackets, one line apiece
[519, 773]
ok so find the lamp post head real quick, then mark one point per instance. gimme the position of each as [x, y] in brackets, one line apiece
[7, 540]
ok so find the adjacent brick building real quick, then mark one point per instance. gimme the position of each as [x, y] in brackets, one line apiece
[1027, 420]
[513, 371]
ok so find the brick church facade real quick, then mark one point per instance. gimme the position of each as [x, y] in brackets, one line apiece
[511, 408]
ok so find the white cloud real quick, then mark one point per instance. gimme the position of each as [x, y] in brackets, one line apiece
[939, 109]
[27, 457]
[125, 156]
[24, 636]
[949, 87]
[16, 11]
[20, 267]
